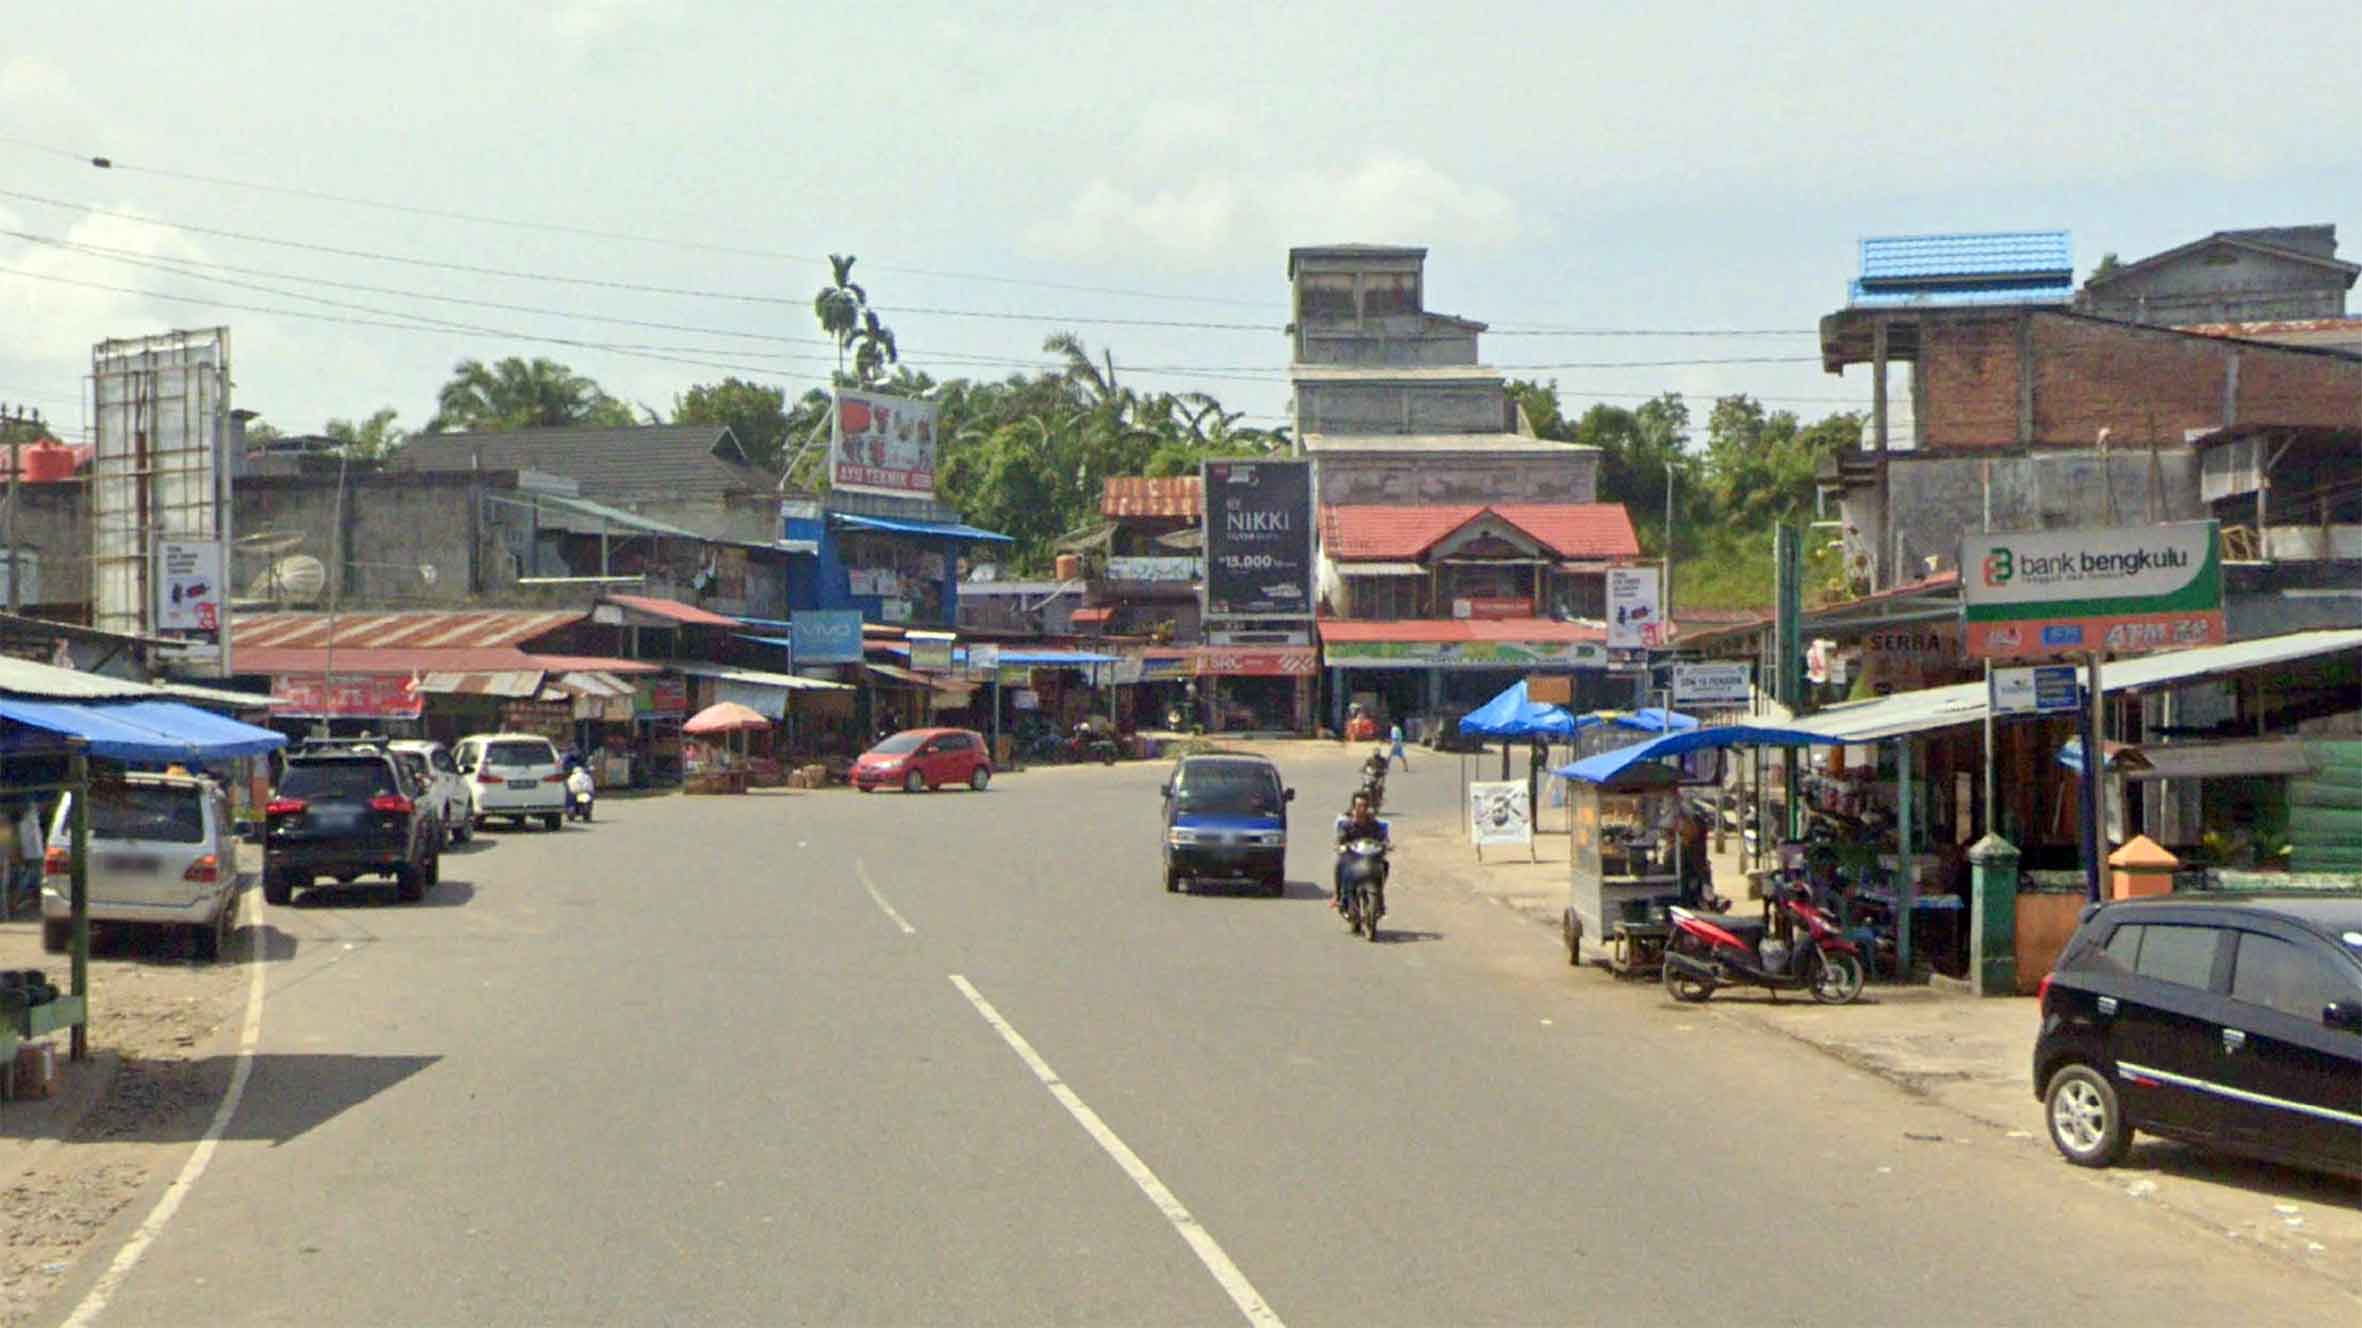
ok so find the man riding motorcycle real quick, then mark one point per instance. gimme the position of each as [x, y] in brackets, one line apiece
[1360, 821]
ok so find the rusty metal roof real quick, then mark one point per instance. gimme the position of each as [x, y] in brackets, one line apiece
[427, 630]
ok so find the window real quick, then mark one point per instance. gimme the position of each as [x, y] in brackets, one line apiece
[2183, 956]
[1387, 598]
[2277, 975]
[519, 752]
[1325, 297]
[357, 780]
[2123, 951]
[1389, 294]
[141, 811]
[898, 745]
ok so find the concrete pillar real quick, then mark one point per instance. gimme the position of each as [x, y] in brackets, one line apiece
[1993, 916]
[2142, 867]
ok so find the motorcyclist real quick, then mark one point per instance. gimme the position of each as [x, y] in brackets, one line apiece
[1360, 821]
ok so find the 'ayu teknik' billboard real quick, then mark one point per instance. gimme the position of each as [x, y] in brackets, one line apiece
[1258, 517]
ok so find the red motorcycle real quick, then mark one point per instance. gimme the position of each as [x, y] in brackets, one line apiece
[1705, 954]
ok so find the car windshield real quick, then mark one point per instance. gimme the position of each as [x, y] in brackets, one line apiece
[146, 811]
[328, 780]
[1241, 789]
[520, 753]
[899, 743]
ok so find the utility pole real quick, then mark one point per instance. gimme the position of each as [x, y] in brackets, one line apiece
[16, 462]
[1665, 572]
[335, 594]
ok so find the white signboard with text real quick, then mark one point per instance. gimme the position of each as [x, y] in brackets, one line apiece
[189, 594]
[882, 445]
[1499, 812]
[1713, 684]
[1635, 616]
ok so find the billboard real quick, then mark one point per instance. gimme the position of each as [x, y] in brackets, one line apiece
[160, 485]
[1258, 536]
[1182, 569]
[2122, 590]
[882, 445]
[825, 636]
[1635, 618]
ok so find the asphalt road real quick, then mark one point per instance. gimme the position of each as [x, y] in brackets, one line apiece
[755, 1061]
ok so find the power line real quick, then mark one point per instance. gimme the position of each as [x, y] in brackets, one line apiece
[592, 232]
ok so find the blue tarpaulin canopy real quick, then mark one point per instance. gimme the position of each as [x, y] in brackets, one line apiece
[142, 732]
[1606, 766]
[1513, 714]
[905, 526]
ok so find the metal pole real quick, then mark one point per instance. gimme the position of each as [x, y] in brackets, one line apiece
[1906, 868]
[2094, 763]
[335, 597]
[16, 461]
[1665, 572]
[1992, 757]
[78, 768]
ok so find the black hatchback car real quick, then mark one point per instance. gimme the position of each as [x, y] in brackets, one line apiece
[347, 812]
[2228, 1021]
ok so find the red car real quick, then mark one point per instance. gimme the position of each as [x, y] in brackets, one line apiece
[920, 759]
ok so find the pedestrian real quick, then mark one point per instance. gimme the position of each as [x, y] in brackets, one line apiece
[1394, 735]
[21, 864]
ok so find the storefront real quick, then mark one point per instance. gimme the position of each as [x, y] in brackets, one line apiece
[659, 703]
[1422, 671]
[1265, 689]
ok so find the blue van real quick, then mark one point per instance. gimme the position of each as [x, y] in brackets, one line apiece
[1226, 819]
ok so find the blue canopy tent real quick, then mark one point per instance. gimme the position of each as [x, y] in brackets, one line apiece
[1606, 767]
[1513, 714]
[136, 732]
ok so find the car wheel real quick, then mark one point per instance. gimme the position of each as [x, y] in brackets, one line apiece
[278, 888]
[205, 940]
[914, 782]
[2086, 1118]
[978, 778]
[1276, 886]
[553, 821]
[434, 867]
[516, 823]
[409, 883]
[56, 936]
[1173, 879]
[464, 831]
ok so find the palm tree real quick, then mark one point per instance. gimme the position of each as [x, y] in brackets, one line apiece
[873, 349]
[521, 394]
[840, 304]
[372, 439]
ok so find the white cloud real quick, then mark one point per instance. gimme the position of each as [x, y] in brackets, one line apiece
[580, 25]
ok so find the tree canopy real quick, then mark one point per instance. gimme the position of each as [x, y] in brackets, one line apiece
[517, 393]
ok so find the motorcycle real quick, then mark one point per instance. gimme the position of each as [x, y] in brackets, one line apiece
[1373, 785]
[1704, 954]
[579, 792]
[1086, 745]
[1362, 885]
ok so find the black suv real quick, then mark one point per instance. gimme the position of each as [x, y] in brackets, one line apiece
[2230, 1021]
[346, 812]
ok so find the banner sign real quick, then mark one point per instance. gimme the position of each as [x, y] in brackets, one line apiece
[2117, 589]
[1258, 533]
[1152, 569]
[930, 653]
[1635, 619]
[2041, 690]
[984, 662]
[825, 636]
[882, 445]
[664, 694]
[1465, 654]
[1499, 813]
[1713, 684]
[189, 592]
[1283, 662]
[1493, 606]
[372, 696]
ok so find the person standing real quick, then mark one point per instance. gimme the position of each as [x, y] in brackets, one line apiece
[1394, 735]
[23, 859]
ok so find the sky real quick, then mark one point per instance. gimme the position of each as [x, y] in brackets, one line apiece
[1134, 174]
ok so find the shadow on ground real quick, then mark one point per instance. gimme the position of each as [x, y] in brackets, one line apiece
[442, 894]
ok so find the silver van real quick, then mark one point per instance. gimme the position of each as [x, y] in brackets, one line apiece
[163, 853]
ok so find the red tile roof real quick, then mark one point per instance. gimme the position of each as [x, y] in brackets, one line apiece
[443, 630]
[688, 614]
[1460, 629]
[1137, 495]
[1570, 530]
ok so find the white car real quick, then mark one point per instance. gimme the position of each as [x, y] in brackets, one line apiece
[163, 853]
[515, 775]
[442, 787]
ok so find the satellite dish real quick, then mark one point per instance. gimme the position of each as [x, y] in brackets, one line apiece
[270, 543]
[299, 580]
[427, 573]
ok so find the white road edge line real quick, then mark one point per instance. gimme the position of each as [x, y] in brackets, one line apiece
[1242, 1293]
[862, 871]
[127, 1258]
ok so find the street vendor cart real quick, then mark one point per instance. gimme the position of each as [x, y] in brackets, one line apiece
[1621, 869]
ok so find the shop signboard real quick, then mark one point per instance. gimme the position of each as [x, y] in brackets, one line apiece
[1174, 667]
[1258, 535]
[1282, 662]
[2123, 590]
[1635, 618]
[1556, 689]
[1152, 569]
[1499, 813]
[930, 652]
[1025, 698]
[1129, 670]
[825, 636]
[1493, 606]
[369, 696]
[189, 592]
[894, 610]
[1464, 654]
[984, 661]
[880, 444]
[2041, 690]
[1713, 683]
[664, 694]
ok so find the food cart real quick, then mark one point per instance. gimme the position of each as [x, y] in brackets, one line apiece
[1623, 863]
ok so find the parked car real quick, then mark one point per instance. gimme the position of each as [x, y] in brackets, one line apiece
[1226, 818]
[2228, 1021]
[920, 759]
[163, 853]
[344, 813]
[448, 792]
[516, 775]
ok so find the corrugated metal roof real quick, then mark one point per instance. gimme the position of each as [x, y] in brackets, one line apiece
[673, 460]
[754, 677]
[605, 686]
[1991, 254]
[22, 677]
[520, 682]
[1957, 295]
[408, 661]
[214, 696]
[672, 609]
[442, 630]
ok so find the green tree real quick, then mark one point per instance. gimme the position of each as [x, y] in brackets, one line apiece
[373, 439]
[755, 414]
[2106, 267]
[839, 305]
[525, 394]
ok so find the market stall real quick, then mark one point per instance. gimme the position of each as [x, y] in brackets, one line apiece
[722, 733]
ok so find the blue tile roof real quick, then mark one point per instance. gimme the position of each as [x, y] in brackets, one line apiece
[1888, 258]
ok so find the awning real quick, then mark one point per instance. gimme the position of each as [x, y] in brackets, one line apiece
[219, 697]
[782, 682]
[145, 732]
[603, 686]
[2239, 758]
[1093, 615]
[1380, 569]
[897, 673]
[670, 610]
[513, 683]
[902, 526]
[1607, 766]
